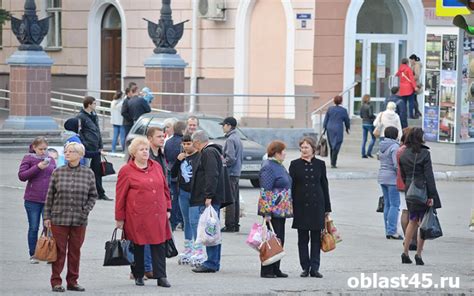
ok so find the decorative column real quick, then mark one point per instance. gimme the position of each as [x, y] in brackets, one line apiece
[30, 75]
[164, 70]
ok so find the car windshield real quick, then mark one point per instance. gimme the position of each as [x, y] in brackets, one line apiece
[214, 129]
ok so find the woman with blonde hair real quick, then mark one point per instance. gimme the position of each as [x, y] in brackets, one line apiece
[142, 209]
[388, 118]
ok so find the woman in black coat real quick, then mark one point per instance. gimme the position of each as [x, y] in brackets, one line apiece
[415, 162]
[311, 205]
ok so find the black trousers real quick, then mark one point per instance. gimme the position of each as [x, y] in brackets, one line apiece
[96, 168]
[279, 227]
[334, 154]
[232, 212]
[158, 261]
[127, 129]
[309, 260]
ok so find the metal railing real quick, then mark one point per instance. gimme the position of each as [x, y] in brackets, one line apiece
[321, 110]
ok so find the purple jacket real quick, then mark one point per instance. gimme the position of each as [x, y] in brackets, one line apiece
[38, 179]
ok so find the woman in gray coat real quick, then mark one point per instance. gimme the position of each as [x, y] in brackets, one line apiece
[387, 179]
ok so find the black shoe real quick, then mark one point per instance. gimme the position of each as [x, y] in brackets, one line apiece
[58, 288]
[139, 282]
[76, 288]
[397, 237]
[105, 197]
[370, 155]
[203, 269]
[315, 274]
[163, 282]
[406, 259]
[305, 273]
[268, 276]
[365, 156]
[412, 247]
[418, 260]
[281, 275]
[228, 229]
[333, 166]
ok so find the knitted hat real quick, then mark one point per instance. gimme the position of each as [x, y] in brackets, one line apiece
[72, 125]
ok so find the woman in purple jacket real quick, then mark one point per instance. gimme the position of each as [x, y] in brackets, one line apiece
[36, 168]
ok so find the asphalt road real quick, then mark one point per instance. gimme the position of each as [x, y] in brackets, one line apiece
[363, 252]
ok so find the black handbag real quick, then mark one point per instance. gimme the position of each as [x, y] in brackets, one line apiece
[415, 194]
[107, 167]
[116, 251]
[170, 246]
[380, 206]
[322, 146]
[430, 227]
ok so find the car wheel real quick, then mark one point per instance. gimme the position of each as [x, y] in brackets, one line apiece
[255, 183]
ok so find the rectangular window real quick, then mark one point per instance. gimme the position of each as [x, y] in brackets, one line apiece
[53, 39]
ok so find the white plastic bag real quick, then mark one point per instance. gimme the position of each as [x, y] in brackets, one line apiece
[209, 228]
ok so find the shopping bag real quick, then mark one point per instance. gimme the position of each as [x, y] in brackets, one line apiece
[270, 249]
[333, 230]
[115, 251]
[46, 247]
[209, 228]
[107, 167]
[170, 246]
[328, 242]
[255, 237]
[322, 146]
[430, 227]
[380, 205]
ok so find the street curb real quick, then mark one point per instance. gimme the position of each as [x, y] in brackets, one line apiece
[449, 176]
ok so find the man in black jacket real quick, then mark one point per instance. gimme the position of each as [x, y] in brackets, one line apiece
[92, 140]
[127, 119]
[137, 106]
[207, 189]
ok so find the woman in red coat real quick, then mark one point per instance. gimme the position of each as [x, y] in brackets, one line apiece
[142, 209]
[407, 85]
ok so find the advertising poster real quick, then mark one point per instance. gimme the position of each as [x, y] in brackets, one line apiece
[465, 120]
[432, 87]
[449, 52]
[433, 52]
[447, 91]
[430, 124]
[446, 124]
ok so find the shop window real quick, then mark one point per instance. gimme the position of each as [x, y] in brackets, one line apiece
[381, 17]
[53, 39]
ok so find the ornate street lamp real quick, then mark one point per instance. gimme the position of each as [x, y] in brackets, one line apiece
[29, 30]
[165, 35]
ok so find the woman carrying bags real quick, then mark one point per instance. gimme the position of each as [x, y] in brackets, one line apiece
[275, 203]
[142, 209]
[311, 205]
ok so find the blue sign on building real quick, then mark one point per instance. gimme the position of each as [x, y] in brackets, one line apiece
[303, 16]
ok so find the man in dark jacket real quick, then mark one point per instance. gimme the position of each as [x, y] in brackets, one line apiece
[92, 140]
[207, 189]
[233, 156]
[127, 119]
[137, 106]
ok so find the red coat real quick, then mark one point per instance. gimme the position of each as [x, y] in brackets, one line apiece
[407, 80]
[142, 201]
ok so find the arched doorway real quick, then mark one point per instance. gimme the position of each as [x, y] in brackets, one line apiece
[111, 51]
[385, 32]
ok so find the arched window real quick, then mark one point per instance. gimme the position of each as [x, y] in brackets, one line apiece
[381, 17]
[111, 19]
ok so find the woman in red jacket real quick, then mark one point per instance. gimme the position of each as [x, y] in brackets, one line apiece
[142, 209]
[407, 85]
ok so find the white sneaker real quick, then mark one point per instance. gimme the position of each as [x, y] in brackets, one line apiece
[33, 260]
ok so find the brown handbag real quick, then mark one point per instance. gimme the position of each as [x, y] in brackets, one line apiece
[328, 242]
[322, 146]
[270, 249]
[46, 247]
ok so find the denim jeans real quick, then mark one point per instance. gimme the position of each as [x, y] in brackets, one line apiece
[213, 253]
[391, 198]
[410, 102]
[176, 216]
[34, 210]
[367, 128]
[118, 130]
[184, 198]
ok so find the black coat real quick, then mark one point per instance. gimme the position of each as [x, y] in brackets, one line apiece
[89, 131]
[310, 194]
[137, 106]
[127, 118]
[210, 178]
[423, 174]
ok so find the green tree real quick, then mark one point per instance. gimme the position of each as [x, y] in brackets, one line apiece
[4, 16]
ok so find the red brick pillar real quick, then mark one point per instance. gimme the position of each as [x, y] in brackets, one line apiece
[165, 73]
[30, 92]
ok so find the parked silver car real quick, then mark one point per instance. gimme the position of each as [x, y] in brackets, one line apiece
[252, 154]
